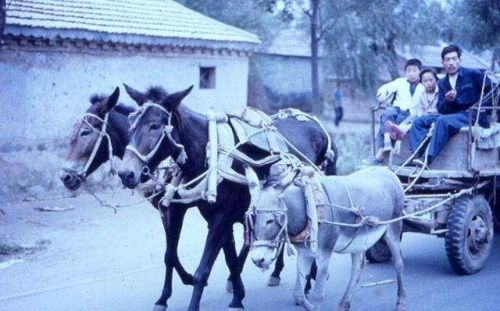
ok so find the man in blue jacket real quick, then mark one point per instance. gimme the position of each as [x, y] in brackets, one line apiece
[458, 91]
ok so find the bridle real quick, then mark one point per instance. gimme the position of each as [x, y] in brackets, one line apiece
[284, 175]
[82, 174]
[281, 238]
[166, 133]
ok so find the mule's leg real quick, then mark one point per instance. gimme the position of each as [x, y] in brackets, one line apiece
[172, 225]
[303, 268]
[322, 262]
[235, 273]
[274, 279]
[391, 237]
[311, 276]
[358, 263]
[217, 235]
[242, 257]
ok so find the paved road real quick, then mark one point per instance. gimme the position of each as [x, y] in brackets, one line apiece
[99, 260]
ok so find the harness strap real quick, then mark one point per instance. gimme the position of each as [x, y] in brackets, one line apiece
[146, 158]
[102, 133]
[142, 109]
[167, 132]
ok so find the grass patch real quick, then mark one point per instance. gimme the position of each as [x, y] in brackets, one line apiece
[7, 249]
[352, 147]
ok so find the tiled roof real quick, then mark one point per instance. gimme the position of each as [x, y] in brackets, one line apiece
[291, 42]
[118, 20]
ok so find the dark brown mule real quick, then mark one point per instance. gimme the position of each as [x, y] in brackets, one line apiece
[189, 133]
[87, 151]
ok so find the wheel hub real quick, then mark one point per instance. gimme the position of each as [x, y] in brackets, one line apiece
[477, 235]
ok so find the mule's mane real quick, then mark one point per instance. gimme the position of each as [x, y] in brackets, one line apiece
[124, 109]
[97, 98]
[120, 108]
[156, 94]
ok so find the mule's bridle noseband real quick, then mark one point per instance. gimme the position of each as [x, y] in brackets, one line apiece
[281, 237]
[166, 132]
[82, 174]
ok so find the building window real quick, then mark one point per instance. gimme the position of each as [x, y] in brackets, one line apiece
[207, 77]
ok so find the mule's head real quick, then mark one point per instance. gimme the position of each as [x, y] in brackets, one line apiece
[268, 220]
[152, 136]
[88, 149]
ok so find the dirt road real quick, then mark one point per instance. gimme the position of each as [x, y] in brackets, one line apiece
[89, 258]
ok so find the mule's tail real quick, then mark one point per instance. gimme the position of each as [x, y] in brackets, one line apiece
[329, 165]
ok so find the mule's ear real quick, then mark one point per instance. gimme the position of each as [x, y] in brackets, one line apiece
[173, 100]
[107, 104]
[253, 180]
[112, 99]
[137, 96]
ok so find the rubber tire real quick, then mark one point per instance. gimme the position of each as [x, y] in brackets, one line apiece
[462, 211]
[496, 213]
[379, 252]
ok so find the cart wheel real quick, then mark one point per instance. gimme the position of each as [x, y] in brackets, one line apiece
[470, 234]
[379, 252]
[496, 213]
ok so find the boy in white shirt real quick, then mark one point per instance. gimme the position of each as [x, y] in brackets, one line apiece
[426, 105]
[405, 93]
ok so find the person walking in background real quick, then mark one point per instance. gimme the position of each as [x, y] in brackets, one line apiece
[337, 105]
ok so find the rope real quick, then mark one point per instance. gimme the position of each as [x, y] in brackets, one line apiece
[102, 133]
[115, 207]
[373, 221]
[414, 154]
[167, 132]
[420, 172]
[480, 102]
[300, 153]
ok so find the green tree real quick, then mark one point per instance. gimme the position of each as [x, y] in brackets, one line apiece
[249, 15]
[368, 36]
[360, 35]
[474, 24]
[321, 16]
[2, 19]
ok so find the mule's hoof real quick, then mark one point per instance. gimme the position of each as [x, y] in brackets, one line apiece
[229, 286]
[401, 307]
[236, 308]
[160, 308]
[299, 300]
[308, 305]
[344, 307]
[273, 281]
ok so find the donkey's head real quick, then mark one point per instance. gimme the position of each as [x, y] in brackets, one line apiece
[152, 136]
[89, 144]
[266, 220]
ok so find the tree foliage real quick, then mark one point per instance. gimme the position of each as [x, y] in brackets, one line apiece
[474, 24]
[368, 37]
[250, 15]
[363, 36]
[2, 19]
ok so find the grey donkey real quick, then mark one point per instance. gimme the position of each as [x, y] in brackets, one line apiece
[349, 211]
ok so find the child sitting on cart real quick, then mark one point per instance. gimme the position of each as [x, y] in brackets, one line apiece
[404, 93]
[426, 105]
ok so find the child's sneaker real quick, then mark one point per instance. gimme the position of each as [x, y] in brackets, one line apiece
[372, 161]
